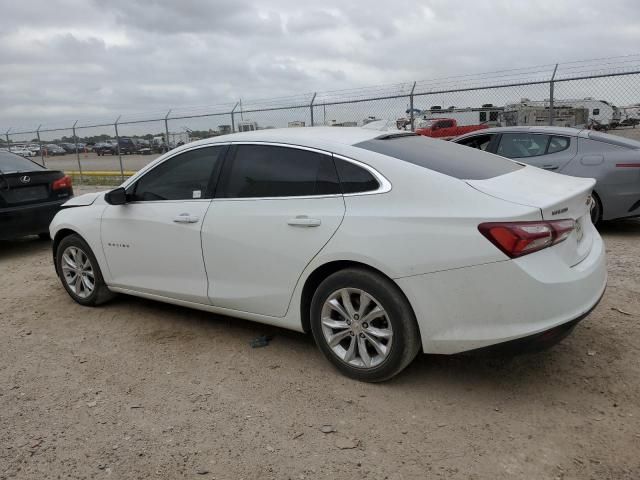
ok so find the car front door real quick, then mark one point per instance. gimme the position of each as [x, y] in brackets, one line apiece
[152, 243]
[551, 152]
[276, 206]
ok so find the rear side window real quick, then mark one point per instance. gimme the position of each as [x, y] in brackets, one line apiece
[481, 142]
[10, 162]
[355, 179]
[522, 145]
[558, 144]
[442, 157]
[274, 171]
[186, 176]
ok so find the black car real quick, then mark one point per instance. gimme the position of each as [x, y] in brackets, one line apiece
[30, 196]
[125, 145]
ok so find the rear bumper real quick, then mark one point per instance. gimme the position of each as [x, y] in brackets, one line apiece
[18, 222]
[471, 308]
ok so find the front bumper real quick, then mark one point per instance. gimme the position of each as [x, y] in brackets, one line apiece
[470, 308]
[16, 222]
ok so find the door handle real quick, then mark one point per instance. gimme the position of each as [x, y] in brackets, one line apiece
[185, 218]
[304, 221]
[550, 167]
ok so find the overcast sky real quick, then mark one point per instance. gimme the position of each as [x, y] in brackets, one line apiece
[65, 59]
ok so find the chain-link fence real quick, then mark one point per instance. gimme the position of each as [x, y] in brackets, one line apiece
[602, 94]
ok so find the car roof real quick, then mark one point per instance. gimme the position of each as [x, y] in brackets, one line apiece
[304, 136]
[574, 132]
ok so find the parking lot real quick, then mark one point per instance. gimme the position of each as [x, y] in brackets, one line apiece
[137, 389]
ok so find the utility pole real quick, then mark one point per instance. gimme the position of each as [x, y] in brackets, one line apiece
[166, 128]
[233, 123]
[118, 147]
[40, 146]
[75, 140]
[551, 83]
[311, 106]
[8, 143]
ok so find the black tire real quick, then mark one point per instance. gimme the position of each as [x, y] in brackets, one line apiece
[100, 293]
[596, 210]
[405, 340]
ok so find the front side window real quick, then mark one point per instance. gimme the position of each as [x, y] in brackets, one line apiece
[186, 176]
[275, 171]
[522, 145]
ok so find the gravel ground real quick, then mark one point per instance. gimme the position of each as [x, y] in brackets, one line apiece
[137, 389]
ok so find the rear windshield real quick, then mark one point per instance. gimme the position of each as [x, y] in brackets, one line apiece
[441, 156]
[10, 163]
[614, 140]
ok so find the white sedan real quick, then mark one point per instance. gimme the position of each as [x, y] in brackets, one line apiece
[381, 244]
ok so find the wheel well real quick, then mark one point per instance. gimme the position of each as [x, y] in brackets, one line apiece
[65, 232]
[316, 278]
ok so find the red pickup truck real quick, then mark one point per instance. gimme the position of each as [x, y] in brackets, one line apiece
[445, 128]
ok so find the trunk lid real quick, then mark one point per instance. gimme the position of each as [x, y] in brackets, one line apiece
[556, 196]
[30, 187]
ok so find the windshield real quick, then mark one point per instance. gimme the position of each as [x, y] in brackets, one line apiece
[11, 163]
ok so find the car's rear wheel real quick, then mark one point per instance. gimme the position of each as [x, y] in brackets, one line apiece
[79, 272]
[364, 325]
[596, 209]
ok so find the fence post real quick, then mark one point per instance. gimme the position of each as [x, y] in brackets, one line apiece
[411, 107]
[311, 106]
[551, 83]
[118, 147]
[40, 146]
[75, 140]
[166, 128]
[233, 123]
[8, 143]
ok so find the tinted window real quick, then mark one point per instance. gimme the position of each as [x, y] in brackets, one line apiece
[10, 162]
[558, 144]
[522, 145]
[271, 171]
[481, 142]
[355, 179]
[183, 177]
[440, 156]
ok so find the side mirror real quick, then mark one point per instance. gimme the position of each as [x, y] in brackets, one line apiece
[116, 197]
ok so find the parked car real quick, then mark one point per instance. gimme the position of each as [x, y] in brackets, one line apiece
[445, 128]
[143, 147]
[379, 243]
[22, 151]
[52, 150]
[125, 145]
[30, 196]
[612, 160]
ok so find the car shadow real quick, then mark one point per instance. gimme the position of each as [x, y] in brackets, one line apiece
[488, 372]
[23, 246]
[624, 227]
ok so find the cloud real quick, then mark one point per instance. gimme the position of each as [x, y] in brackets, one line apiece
[89, 59]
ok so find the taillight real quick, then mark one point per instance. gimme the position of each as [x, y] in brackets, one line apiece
[64, 182]
[516, 239]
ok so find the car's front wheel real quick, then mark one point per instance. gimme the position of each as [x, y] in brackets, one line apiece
[79, 272]
[364, 325]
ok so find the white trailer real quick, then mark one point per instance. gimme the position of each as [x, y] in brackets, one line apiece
[486, 115]
[599, 110]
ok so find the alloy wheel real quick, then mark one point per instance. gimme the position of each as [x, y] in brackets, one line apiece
[356, 328]
[78, 272]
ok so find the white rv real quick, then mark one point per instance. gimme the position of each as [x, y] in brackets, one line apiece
[487, 114]
[247, 126]
[599, 110]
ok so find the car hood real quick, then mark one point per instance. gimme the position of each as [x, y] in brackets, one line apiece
[83, 200]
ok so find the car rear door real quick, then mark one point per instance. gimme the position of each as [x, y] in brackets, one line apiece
[152, 243]
[276, 206]
[550, 152]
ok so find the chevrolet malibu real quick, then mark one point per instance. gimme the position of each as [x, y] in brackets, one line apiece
[381, 244]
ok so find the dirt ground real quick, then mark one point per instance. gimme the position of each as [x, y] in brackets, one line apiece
[137, 389]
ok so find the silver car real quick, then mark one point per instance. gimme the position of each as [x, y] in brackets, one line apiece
[612, 160]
